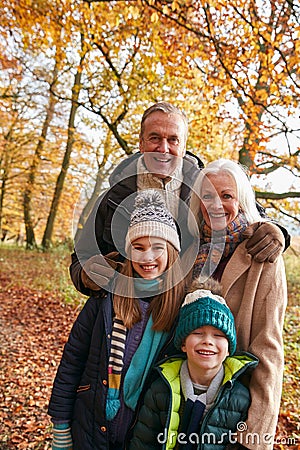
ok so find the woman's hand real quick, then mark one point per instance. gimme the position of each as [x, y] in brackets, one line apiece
[266, 241]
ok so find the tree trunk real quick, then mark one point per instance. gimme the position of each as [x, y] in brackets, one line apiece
[29, 189]
[98, 188]
[47, 238]
[2, 192]
[4, 170]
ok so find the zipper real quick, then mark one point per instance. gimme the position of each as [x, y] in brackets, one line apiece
[120, 207]
[211, 410]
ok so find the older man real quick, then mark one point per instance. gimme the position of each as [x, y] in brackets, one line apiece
[163, 164]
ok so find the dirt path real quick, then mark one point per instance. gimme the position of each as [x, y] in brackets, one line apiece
[33, 329]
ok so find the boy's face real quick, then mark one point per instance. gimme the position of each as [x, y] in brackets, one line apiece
[206, 349]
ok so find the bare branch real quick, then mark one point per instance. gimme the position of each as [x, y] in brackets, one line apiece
[276, 196]
[284, 212]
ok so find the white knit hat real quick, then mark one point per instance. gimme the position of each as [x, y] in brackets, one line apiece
[151, 217]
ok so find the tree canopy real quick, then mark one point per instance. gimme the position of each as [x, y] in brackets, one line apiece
[77, 75]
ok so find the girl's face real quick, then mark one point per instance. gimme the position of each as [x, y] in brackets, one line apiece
[206, 348]
[219, 200]
[149, 257]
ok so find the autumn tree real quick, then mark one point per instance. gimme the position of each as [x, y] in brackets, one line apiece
[69, 146]
[98, 64]
[122, 76]
[30, 185]
[33, 43]
[16, 139]
[99, 182]
[247, 53]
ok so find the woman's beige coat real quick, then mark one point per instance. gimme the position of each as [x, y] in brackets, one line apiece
[257, 296]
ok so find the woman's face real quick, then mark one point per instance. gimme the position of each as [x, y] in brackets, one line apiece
[149, 256]
[219, 200]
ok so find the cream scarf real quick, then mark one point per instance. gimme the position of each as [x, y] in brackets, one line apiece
[171, 185]
[207, 397]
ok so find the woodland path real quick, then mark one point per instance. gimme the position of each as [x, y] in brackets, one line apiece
[34, 326]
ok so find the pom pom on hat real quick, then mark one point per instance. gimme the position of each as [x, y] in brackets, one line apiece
[148, 198]
[201, 308]
[151, 217]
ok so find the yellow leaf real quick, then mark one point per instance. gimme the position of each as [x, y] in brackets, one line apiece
[273, 88]
[262, 95]
[154, 17]
[175, 5]
[135, 12]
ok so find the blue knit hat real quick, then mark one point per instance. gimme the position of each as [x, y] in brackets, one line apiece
[201, 308]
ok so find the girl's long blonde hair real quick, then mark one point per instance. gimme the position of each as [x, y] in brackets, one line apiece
[164, 307]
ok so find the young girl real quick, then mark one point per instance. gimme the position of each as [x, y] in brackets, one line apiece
[116, 340]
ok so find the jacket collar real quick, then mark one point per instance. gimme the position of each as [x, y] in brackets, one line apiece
[128, 167]
[234, 366]
[237, 364]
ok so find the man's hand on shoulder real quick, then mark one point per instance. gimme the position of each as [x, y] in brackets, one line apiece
[99, 270]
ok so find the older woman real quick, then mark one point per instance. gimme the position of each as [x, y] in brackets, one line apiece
[224, 204]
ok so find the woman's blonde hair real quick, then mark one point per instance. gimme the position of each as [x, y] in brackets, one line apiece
[164, 307]
[245, 192]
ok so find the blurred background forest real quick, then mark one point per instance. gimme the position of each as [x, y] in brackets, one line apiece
[77, 75]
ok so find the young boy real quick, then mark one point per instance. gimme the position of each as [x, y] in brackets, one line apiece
[197, 403]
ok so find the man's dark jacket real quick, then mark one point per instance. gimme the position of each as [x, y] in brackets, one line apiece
[113, 210]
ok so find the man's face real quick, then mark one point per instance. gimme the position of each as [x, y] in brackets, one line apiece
[163, 143]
